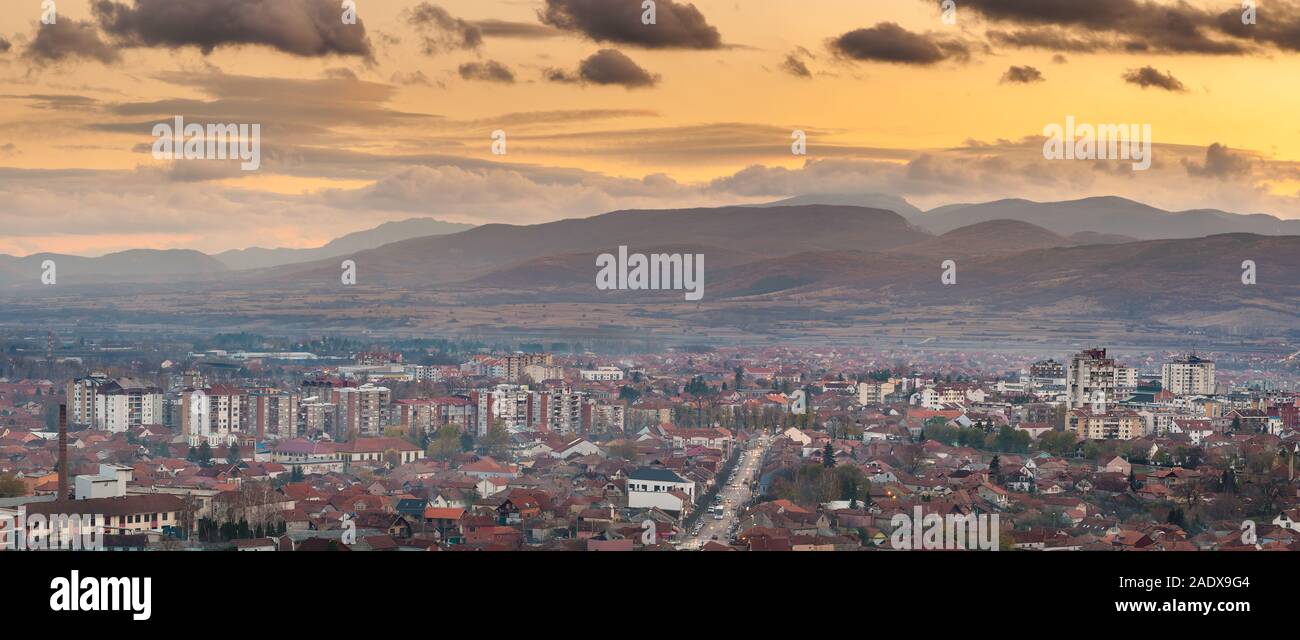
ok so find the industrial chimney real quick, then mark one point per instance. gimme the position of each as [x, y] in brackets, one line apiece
[63, 452]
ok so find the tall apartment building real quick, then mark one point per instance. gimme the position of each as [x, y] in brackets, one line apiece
[315, 416]
[607, 418]
[1104, 425]
[216, 414]
[541, 372]
[361, 411]
[81, 398]
[562, 410]
[1090, 372]
[273, 412]
[509, 403]
[874, 391]
[427, 415]
[123, 403]
[1187, 376]
[514, 364]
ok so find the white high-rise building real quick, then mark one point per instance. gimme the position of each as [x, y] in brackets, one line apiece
[1188, 376]
[1092, 375]
[509, 403]
[125, 403]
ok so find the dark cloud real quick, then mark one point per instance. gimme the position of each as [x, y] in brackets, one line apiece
[1022, 75]
[487, 71]
[1219, 163]
[442, 32]
[521, 30]
[309, 28]
[888, 42]
[606, 67]
[1047, 38]
[69, 40]
[1278, 25]
[412, 78]
[1113, 25]
[1152, 77]
[795, 67]
[54, 102]
[677, 25]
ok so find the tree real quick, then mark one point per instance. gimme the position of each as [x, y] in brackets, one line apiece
[1010, 440]
[995, 466]
[1177, 517]
[697, 387]
[233, 458]
[205, 454]
[12, 487]
[1058, 443]
[739, 378]
[628, 394]
[446, 445]
[853, 484]
[296, 474]
[828, 456]
[494, 443]
[1228, 483]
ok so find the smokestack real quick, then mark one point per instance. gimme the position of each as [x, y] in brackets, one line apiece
[63, 452]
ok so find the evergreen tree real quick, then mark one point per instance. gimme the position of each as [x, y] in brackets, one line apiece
[828, 456]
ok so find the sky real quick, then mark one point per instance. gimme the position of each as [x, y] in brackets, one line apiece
[392, 116]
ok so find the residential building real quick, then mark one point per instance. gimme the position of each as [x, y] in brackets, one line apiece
[1191, 375]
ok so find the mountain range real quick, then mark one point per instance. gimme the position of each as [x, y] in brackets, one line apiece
[1099, 257]
[162, 265]
[257, 257]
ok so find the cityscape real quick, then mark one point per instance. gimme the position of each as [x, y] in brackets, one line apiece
[648, 275]
[335, 445]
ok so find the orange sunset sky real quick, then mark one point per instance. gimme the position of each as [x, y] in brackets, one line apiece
[391, 117]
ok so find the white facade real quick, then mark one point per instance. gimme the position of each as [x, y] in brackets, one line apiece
[1091, 372]
[602, 374]
[109, 483]
[653, 488]
[1188, 376]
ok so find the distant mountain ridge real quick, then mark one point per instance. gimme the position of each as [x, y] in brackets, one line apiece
[1107, 219]
[387, 233]
[753, 231]
[136, 265]
[1107, 215]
